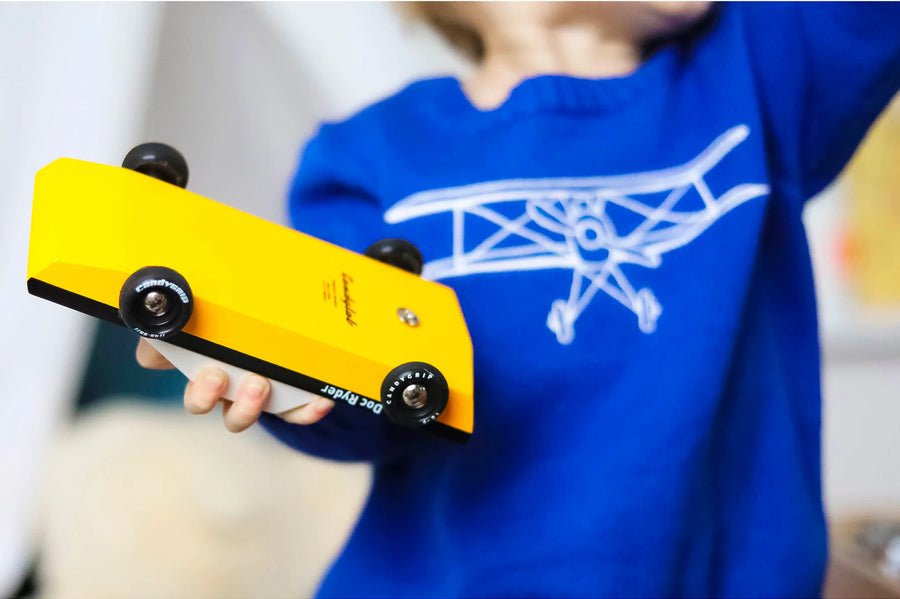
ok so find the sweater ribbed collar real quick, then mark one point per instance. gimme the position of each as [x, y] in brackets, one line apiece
[555, 92]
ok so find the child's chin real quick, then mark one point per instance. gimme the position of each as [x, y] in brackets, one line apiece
[681, 14]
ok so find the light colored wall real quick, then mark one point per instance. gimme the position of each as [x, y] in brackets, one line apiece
[239, 87]
[73, 78]
[862, 436]
[861, 378]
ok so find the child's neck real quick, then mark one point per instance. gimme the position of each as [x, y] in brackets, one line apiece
[519, 50]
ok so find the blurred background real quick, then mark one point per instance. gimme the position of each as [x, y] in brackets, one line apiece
[108, 490]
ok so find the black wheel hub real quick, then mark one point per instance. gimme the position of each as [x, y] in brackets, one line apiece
[156, 302]
[414, 394]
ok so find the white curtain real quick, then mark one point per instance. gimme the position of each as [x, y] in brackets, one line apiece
[73, 82]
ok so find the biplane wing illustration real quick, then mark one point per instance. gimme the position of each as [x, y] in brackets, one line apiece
[589, 225]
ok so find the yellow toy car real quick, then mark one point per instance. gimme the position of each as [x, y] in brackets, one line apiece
[143, 252]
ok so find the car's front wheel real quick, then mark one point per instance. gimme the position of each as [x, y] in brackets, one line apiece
[156, 302]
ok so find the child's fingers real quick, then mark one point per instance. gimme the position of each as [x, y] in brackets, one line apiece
[202, 394]
[150, 358]
[309, 413]
[244, 411]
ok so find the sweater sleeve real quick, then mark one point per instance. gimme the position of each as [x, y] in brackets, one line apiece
[331, 198]
[824, 73]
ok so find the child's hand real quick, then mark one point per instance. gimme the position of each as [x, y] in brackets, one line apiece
[203, 393]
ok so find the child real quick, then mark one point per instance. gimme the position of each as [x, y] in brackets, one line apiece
[655, 432]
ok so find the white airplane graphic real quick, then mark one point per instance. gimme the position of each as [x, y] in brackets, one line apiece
[566, 223]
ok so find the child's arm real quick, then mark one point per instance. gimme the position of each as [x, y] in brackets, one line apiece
[824, 72]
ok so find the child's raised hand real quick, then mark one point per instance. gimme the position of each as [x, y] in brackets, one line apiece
[203, 393]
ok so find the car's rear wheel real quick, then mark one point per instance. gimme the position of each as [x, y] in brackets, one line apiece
[158, 161]
[414, 394]
[156, 302]
[399, 253]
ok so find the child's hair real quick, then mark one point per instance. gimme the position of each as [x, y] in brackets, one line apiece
[462, 37]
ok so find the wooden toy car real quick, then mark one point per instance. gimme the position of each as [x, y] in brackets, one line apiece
[205, 283]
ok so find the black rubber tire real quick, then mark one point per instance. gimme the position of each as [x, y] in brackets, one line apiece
[166, 281]
[158, 161]
[399, 253]
[423, 374]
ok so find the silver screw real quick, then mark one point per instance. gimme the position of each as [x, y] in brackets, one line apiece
[156, 303]
[408, 316]
[415, 396]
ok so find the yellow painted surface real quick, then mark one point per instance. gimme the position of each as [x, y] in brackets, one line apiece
[259, 288]
[874, 212]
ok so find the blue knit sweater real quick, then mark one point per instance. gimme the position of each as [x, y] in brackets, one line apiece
[630, 259]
